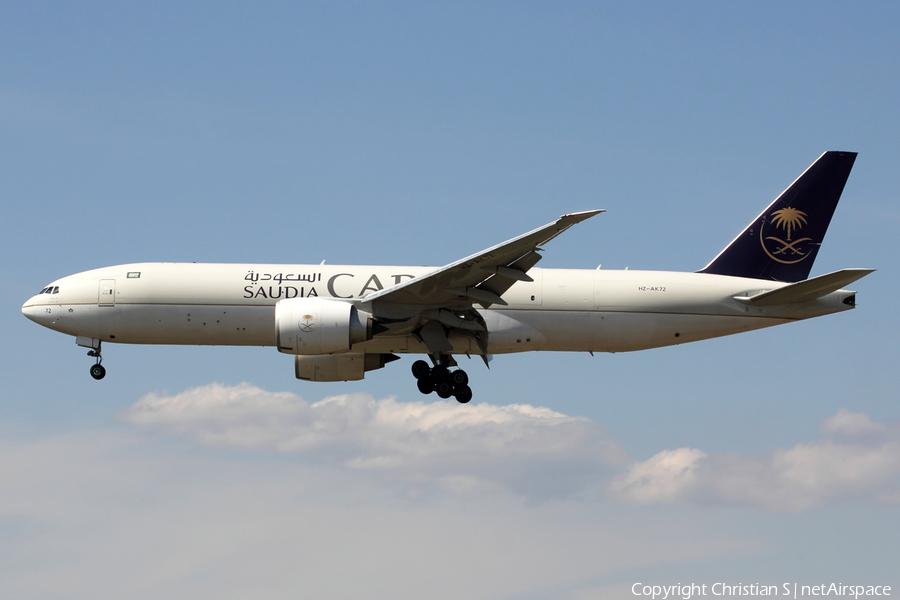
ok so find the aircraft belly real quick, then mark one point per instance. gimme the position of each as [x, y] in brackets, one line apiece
[174, 324]
[581, 331]
[507, 333]
[622, 331]
[394, 344]
[408, 344]
[628, 331]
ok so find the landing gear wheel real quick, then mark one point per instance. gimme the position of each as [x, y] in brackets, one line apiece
[441, 380]
[98, 372]
[444, 389]
[463, 394]
[420, 369]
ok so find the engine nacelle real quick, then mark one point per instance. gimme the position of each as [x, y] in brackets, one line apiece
[313, 326]
[350, 366]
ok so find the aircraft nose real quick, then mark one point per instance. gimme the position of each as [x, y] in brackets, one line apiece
[28, 310]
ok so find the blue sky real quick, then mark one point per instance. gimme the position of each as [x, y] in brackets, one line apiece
[401, 133]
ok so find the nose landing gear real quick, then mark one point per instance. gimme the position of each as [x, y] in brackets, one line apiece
[441, 380]
[98, 372]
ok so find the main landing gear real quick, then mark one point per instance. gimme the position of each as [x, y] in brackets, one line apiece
[97, 370]
[441, 380]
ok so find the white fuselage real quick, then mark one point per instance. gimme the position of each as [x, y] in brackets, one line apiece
[561, 310]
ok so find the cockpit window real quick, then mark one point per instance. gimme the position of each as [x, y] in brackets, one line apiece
[55, 290]
[44, 291]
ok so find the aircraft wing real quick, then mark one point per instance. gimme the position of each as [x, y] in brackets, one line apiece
[482, 277]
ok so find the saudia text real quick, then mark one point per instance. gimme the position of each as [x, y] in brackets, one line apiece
[372, 284]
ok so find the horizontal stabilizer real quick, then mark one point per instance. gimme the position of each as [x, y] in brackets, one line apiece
[805, 290]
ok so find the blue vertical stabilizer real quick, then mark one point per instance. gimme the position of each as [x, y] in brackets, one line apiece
[782, 242]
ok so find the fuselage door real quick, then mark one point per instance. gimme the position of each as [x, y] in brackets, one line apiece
[107, 294]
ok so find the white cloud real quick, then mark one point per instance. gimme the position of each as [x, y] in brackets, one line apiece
[852, 424]
[792, 479]
[423, 447]
[669, 476]
[532, 450]
[113, 514]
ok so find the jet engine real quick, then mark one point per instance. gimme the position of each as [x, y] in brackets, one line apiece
[314, 326]
[349, 366]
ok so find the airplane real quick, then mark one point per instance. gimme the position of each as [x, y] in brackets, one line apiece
[340, 321]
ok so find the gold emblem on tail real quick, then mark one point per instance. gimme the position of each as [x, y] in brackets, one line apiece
[786, 251]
